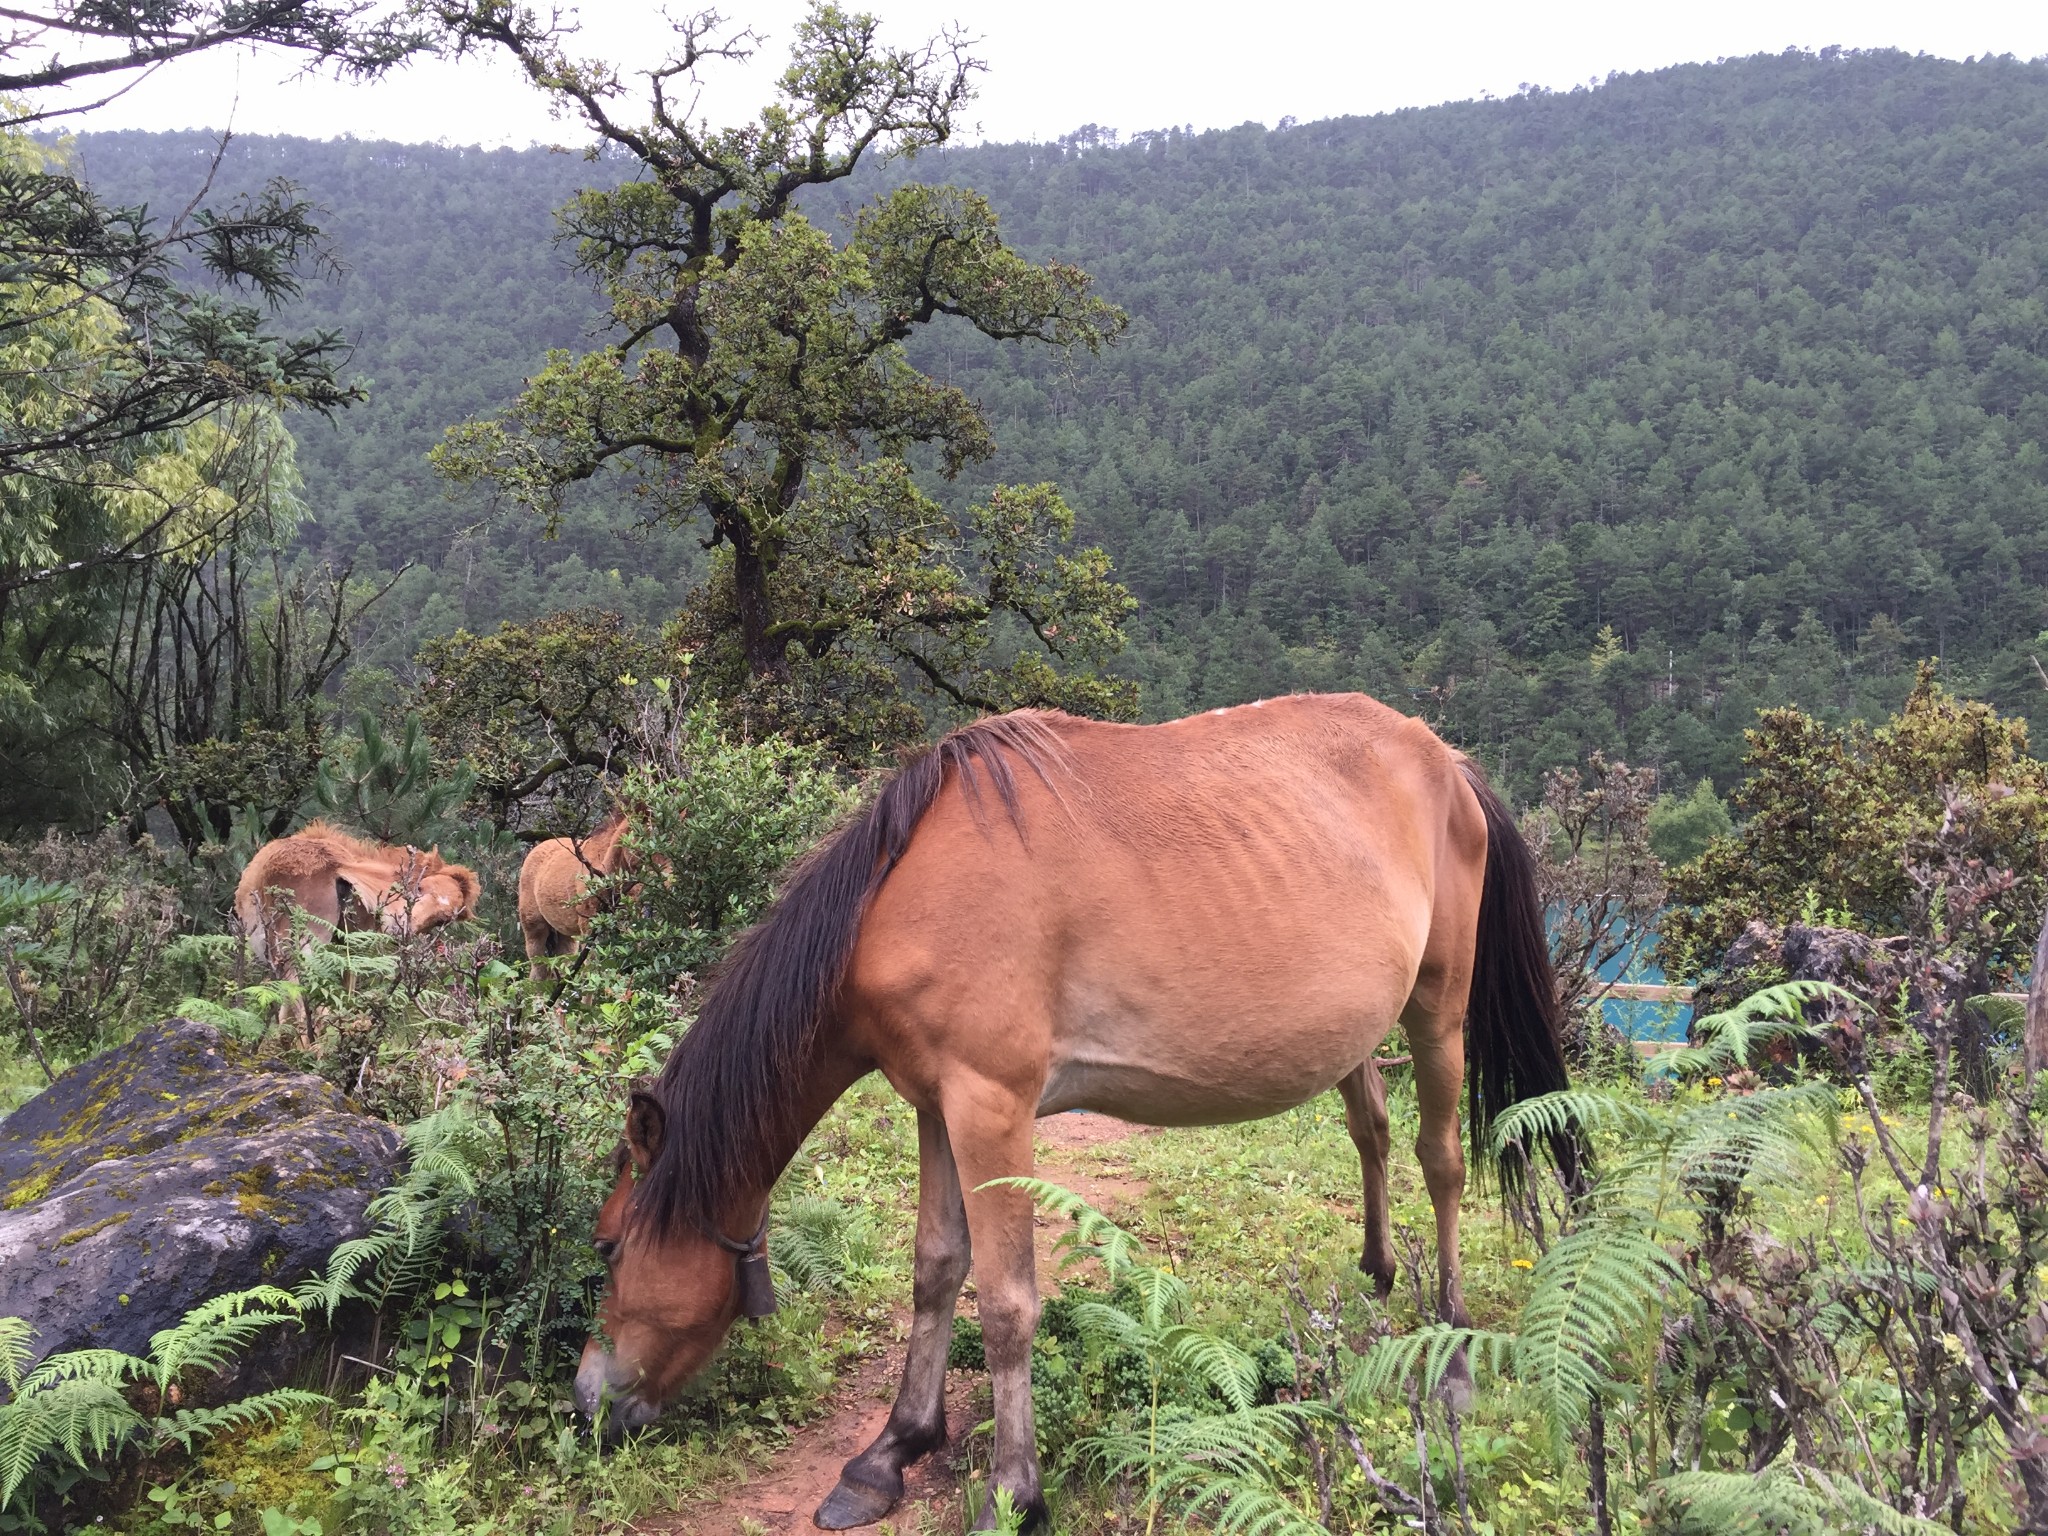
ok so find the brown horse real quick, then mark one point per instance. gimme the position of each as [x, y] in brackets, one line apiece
[555, 906]
[1186, 924]
[341, 883]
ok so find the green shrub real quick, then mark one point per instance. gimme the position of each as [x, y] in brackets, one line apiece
[1681, 829]
[1830, 815]
[715, 818]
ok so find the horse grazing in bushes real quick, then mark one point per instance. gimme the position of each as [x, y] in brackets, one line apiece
[555, 904]
[1186, 924]
[340, 883]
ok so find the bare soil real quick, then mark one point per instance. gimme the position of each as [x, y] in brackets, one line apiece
[779, 1499]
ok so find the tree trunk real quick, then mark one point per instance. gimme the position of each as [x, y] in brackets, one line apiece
[2036, 1054]
[765, 657]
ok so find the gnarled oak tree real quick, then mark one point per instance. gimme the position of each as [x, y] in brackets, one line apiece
[756, 383]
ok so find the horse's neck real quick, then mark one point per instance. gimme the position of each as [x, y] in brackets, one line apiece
[831, 1073]
[601, 847]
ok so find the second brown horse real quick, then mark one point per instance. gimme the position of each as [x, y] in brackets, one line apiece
[1185, 924]
[556, 903]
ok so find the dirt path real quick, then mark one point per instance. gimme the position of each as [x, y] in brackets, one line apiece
[780, 1498]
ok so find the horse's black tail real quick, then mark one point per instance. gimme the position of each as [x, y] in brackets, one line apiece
[1514, 1048]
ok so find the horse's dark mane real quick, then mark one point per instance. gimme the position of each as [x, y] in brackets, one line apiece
[731, 1092]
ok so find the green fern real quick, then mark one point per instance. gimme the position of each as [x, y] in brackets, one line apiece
[1782, 1500]
[446, 1153]
[73, 1407]
[1094, 1235]
[1593, 1290]
[822, 1245]
[1424, 1356]
[16, 1339]
[1232, 1466]
[1730, 1038]
[1228, 1468]
[1583, 1111]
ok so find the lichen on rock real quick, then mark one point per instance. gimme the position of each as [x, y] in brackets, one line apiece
[165, 1172]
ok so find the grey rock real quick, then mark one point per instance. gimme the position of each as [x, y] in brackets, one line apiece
[165, 1172]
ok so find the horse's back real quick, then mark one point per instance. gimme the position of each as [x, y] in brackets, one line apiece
[551, 888]
[1207, 919]
[296, 871]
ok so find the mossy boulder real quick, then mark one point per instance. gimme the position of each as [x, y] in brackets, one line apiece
[165, 1172]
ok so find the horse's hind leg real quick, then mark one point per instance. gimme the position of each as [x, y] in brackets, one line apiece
[1434, 1020]
[1365, 1113]
[872, 1482]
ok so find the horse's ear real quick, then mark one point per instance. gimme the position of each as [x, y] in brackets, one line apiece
[644, 1124]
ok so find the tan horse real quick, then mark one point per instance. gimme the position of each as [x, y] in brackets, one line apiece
[555, 906]
[1186, 924]
[340, 883]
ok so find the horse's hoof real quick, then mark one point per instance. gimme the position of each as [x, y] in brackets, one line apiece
[1382, 1276]
[854, 1503]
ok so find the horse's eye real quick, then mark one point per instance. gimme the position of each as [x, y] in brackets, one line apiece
[606, 1247]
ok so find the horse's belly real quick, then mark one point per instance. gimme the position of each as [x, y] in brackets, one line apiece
[1206, 1070]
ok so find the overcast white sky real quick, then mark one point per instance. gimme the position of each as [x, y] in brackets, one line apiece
[1126, 64]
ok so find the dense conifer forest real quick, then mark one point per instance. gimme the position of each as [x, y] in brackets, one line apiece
[1575, 420]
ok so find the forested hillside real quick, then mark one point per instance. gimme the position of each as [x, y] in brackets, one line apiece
[1574, 420]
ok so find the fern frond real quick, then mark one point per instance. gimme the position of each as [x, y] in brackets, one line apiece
[1252, 1509]
[1104, 1326]
[1225, 1367]
[1229, 1471]
[215, 1331]
[73, 1416]
[1775, 1136]
[1382, 1370]
[72, 1405]
[821, 1244]
[108, 1365]
[2005, 1017]
[1593, 1288]
[1782, 1498]
[1094, 1236]
[1177, 1454]
[1163, 1293]
[446, 1152]
[209, 951]
[1729, 1038]
[1569, 1110]
[16, 1333]
[193, 1424]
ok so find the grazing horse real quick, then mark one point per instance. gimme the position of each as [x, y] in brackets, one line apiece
[344, 884]
[555, 906]
[1196, 923]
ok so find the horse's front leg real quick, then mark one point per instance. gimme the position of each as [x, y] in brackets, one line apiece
[872, 1482]
[991, 1129]
[1365, 1115]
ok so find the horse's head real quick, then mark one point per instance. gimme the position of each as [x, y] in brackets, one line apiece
[425, 891]
[672, 1299]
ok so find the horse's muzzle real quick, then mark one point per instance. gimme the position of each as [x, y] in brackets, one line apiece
[606, 1397]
